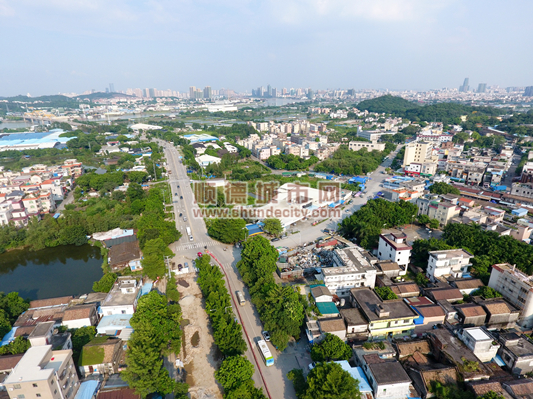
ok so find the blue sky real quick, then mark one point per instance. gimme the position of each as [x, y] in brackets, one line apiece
[74, 45]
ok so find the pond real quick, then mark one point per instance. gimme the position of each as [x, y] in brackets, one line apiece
[51, 272]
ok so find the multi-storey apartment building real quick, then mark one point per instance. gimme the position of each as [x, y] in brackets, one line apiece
[517, 288]
[418, 151]
[448, 262]
[45, 374]
[393, 246]
[351, 270]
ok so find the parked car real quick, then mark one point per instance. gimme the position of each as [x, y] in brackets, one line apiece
[199, 254]
[181, 196]
[175, 194]
[184, 218]
[266, 336]
[180, 214]
[274, 239]
[311, 366]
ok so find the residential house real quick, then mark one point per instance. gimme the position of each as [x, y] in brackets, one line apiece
[467, 286]
[480, 388]
[351, 270]
[393, 246]
[355, 322]
[321, 293]
[448, 262]
[500, 313]
[389, 317]
[387, 377]
[123, 297]
[516, 351]
[430, 314]
[437, 208]
[519, 389]
[101, 356]
[451, 295]
[80, 316]
[449, 349]
[116, 325]
[470, 315]
[333, 326]
[480, 342]
[517, 288]
[43, 373]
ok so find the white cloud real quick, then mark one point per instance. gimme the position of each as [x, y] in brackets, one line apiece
[374, 10]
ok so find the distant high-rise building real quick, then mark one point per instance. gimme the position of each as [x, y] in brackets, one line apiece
[151, 92]
[309, 93]
[106, 90]
[351, 92]
[111, 88]
[207, 92]
[273, 92]
[192, 92]
[482, 88]
[529, 91]
[269, 91]
[465, 87]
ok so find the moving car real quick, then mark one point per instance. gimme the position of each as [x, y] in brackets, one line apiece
[274, 239]
[180, 214]
[266, 336]
[181, 196]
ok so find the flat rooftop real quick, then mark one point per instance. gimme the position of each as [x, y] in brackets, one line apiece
[478, 334]
[37, 364]
[118, 298]
[450, 254]
[352, 257]
[368, 302]
[507, 268]
[390, 372]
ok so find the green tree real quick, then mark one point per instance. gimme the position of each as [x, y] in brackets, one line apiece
[492, 395]
[434, 224]
[228, 231]
[154, 324]
[13, 305]
[272, 226]
[330, 381]
[5, 325]
[172, 292]
[443, 188]
[233, 372]
[423, 219]
[385, 293]
[153, 262]
[80, 337]
[487, 292]
[331, 348]
[105, 283]
[16, 347]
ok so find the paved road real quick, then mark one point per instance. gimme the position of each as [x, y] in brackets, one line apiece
[186, 250]
[273, 379]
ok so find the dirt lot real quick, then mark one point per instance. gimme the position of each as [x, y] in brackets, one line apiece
[199, 354]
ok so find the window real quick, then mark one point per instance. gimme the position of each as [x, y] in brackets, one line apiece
[123, 312]
[38, 395]
[16, 386]
[34, 385]
[21, 396]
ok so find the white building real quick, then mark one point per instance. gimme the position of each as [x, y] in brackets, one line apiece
[374, 145]
[123, 297]
[448, 262]
[43, 373]
[480, 342]
[517, 288]
[351, 270]
[206, 160]
[393, 246]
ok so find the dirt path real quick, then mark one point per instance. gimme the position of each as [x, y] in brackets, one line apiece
[199, 355]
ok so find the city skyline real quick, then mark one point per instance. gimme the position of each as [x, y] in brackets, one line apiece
[395, 45]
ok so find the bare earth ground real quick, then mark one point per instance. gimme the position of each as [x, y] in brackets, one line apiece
[201, 361]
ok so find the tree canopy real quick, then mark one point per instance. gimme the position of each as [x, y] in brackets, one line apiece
[325, 381]
[347, 162]
[272, 226]
[366, 224]
[228, 230]
[443, 188]
[155, 331]
[331, 348]
[290, 162]
[385, 293]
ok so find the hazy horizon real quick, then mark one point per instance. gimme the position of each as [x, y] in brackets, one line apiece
[78, 45]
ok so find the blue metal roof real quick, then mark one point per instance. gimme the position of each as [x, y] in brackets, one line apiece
[146, 288]
[358, 374]
[327, 308]
[87, 389]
